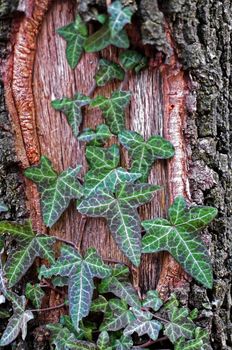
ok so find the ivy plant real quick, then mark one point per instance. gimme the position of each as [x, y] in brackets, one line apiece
[102, 309]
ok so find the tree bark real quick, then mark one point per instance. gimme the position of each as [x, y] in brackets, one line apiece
[183, 95]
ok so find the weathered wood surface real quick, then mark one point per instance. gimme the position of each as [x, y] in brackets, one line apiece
[157, 107]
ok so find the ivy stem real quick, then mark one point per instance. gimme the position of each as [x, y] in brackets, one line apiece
[48, 285]
[92, 89]
[65, 241]
[116, 262]
[48, 308]
[151, 342]
[154, 315]
[124, 82]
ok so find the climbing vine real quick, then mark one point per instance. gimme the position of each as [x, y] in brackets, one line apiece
[105, 311]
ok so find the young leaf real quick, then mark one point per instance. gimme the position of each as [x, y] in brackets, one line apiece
[172, 302]
[119, 207]
[72, 108]
[21, 259]
[131, 59]
[99, 304]
[3, 207]
[180, 325]
[56, 190]
[18, 321]
[75, 35]
[113, 109]
[124, 343]
[96, 137]
[125, 291]
[35, 294]
[144, 153]
[102, 38]
[178, 237]
[119, 17]
[119, 272]
[117, 317]
[104, 172]
[152, 300]
[108, 71]
[103, 340]
[81, 272]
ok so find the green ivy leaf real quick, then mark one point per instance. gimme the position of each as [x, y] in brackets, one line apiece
[99, 304]
[18, 321]
[180, 325]
[75, 35]
[194, 314]
[3, 207]
[104, 172]
[103, 340]
[178, 237]
[203, 335]
[141, 327]
[125, 291]
[124, 343]
[102, 38]
[194, 344]
[56, 190]
[20, 232]
[119, 272]
[152, 300]
[81, 272]
[35, 294]
[21, 259]
[108, 71]
[120, 210]
[59, 281]
[72, 108]
[172, 302]
[144, 153]
[119, 17]
[95, 137]
[117, 317]
[113, 109]
[131, 59]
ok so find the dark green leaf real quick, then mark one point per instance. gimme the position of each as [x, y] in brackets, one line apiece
[103, 340]
[72, 108]
[96, 137]
[81, 272]
[20, 232]
[180, 325]
[152, 300]
[56, 190]
[119, 207]
[119, 17]
[178, 237]
[102, 38]
[131, 59]
[113, 109]
[141, 327]
[35, 294]
[125, 291]
[144, 153]
[75, 35]
[18, 322]
[124, 343]
[108, 71]
[120, 272]
[99, 304]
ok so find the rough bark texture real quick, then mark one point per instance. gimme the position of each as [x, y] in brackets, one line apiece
[199, 33]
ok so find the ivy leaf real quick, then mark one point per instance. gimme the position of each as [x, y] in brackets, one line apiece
[118, 272]
[20, 232]
[113, 109]
[96, 137]
[178, 237]
[180, 325]
[143, 324]
[21, 260]
[108, 71]
[99, 304]
[103, 340]
[124, 343]
[81, 272]
[120, 210]
[144, 153]
[72, 108]
[104, 172]
[3, 207]
[172, 302]
[152, 300]
[119, 17]
[125, 291]
[75, 35]
[118, 317]
[194, 344]
[35, 294]
[131, 59]
[102, 38]
[18, 321]
[56, 190]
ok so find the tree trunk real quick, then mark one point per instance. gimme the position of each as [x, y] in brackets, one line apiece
[183, 95]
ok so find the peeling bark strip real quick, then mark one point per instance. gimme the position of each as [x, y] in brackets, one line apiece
[21, 82]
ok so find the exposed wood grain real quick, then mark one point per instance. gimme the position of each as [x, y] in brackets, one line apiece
[148, 113]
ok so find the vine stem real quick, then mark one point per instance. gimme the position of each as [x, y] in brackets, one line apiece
[151, 342]
[124, 82]
[65, 241]
[48, 285]
[116, 262]
[92, 89]
[48, 308]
